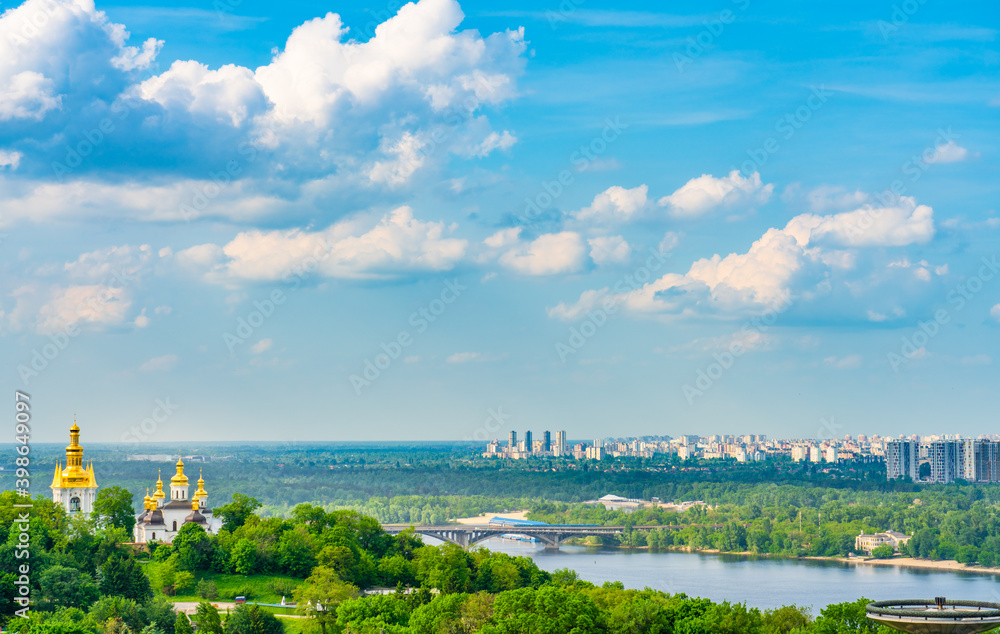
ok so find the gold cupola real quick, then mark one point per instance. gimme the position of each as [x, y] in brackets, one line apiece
[159, 494]
[179, 478]
[75, 474]
[201, 493]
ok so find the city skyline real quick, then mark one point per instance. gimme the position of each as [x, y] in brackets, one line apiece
[346, 222]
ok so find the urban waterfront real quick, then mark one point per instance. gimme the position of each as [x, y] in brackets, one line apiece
[758, 582]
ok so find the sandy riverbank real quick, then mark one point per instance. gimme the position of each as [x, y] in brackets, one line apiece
[486, 517]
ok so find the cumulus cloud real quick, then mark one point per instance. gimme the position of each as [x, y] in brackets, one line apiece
[615, 204]
[10, 159]
[707, 193]
[810, 249]
[949, 152]
[91, 304]
[548, 254]
[995, 312]
[261, 346]
[328, 110]
[609, 250]
[397, 244]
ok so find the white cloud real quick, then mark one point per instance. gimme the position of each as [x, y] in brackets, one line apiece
[464, 357]
[849, 362]
[397, 244]
[59, 54]
[327, 111]
[229, 94]
[261, 346]
[825, 198]
[141, 321]
[615, 204]
[669, 242]
[589, 300]
[995, 312]
[609, 250]
[10, 159]
[93, 304]
[808, 250]
[503, 238]
[28, 95]
[706, 193]
[548, 254]
[119, 264]
[159, 364]
[949, 152]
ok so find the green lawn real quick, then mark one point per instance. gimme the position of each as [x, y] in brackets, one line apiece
[256, 588]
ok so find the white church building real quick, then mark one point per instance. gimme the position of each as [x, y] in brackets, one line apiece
[162, 518]
[75, 489]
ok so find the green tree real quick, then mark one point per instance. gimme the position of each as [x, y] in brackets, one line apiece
[114, 507]
[244, 557]
[67, 587]
[237, 512]
[251, 619]
[123, 576]
[317, 598]
[883, 551]
[547, 610]
[183, 624]
[207, 619]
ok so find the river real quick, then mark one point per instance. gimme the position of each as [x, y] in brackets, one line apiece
[760, 582]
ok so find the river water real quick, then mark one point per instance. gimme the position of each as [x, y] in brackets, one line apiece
[760, 582]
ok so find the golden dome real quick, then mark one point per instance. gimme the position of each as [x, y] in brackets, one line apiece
[179, 478]
[75, 474]
[201, 492]
[159, 495]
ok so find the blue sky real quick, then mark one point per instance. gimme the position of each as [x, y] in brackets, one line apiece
[365, 222]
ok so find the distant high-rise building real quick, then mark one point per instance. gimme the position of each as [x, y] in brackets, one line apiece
[901, 459]
[560, 448]
[512, 440]
[798, 453]
[815, 455]
[831, 454]
[528, 445]
[546, 441]
[943, 456]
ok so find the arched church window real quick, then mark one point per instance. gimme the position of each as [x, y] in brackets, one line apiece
[175, 524]
[74, 504]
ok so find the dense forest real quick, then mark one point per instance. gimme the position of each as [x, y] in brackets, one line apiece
[84, 579]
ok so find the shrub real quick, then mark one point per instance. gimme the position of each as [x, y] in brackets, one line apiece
[207, 590]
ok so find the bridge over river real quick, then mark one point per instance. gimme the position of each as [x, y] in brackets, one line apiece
[551, 535]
